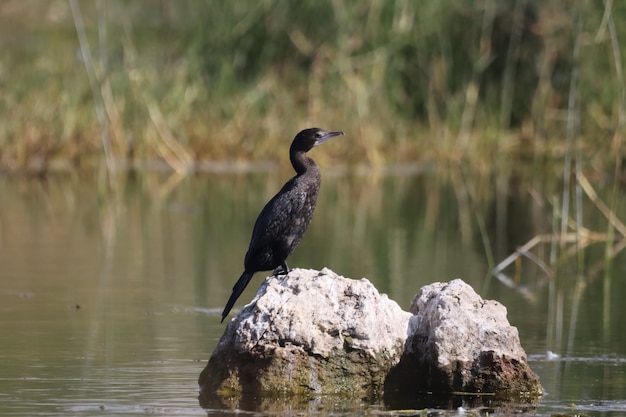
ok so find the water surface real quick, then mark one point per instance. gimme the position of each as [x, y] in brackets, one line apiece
[110, 299]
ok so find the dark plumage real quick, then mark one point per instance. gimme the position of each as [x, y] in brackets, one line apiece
[284, 219]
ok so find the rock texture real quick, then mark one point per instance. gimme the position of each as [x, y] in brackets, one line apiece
[309, 332]
[462, 343]
[313, 332]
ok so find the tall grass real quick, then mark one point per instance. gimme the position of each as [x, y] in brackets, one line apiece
[452, 81]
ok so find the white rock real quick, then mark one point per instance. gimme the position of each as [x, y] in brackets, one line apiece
[321, 311]
[318, 332]
[459, 324]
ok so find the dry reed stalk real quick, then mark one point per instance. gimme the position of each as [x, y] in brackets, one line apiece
[471, 92]
[94, 83]
[168, 147]
[604, 209]
[513, 52]
[612, 250]
[165, 143]
[586, 237]
[466, 196]
[582, 238]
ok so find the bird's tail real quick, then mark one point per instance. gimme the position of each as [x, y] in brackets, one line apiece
[240, 285]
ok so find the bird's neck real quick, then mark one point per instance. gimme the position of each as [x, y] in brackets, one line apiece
[302, 163]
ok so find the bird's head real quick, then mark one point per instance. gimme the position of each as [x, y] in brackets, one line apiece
[309, 138]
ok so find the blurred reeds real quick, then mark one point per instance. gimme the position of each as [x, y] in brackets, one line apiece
[482, 82]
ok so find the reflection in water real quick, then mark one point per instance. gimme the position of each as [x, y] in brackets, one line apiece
[333, 405]
[512, 219]
[111, 299]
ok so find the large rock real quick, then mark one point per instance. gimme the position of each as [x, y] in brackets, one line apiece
[313, 332]
[462, 343]
[309, 332]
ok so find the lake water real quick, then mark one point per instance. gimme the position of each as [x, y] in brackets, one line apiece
[110, 299]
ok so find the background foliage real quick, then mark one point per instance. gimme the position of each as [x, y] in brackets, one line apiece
[186, 82]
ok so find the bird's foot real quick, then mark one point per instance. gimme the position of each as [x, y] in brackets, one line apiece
[281, 270]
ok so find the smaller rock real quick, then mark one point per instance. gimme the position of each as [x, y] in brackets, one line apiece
[462, 343]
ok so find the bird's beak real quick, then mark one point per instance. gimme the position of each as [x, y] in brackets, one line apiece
[327, 136]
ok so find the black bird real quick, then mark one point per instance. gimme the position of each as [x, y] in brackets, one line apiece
[284, 219]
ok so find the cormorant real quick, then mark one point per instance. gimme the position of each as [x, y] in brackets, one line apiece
[284, 219]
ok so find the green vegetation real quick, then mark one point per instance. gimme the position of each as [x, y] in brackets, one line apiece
[487, 82]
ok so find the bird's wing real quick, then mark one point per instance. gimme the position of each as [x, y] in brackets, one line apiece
[279, 214]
